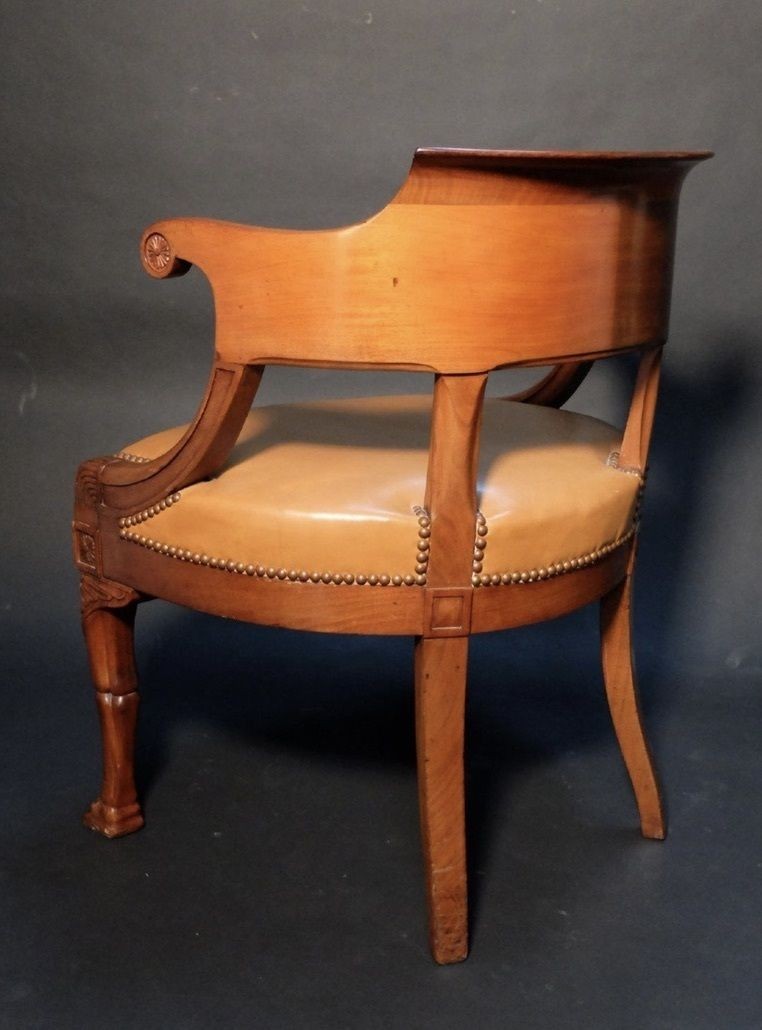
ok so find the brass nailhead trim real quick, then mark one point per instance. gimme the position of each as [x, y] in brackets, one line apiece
[148, 513]
[480, 546]
[135, 458]
[554, 569]
[270, 572]
[478, 578]
[613, 462]
[422, 557]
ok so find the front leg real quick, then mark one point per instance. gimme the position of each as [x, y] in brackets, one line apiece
[108, 618]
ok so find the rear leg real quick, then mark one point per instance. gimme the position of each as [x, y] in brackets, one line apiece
[440, 692]
[621, 692]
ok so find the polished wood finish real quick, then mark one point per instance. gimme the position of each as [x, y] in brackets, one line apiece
[596, 235]
[637, 433]
[200, 453]
[108, 618]
[451, 479]
[440, 699]
[555, 388]
[481, 260]
[496, 608]
[376, 611]
[621, 692]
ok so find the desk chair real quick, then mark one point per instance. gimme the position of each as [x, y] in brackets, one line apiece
[436, 517]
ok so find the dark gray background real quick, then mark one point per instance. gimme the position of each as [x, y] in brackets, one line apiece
[277, 882]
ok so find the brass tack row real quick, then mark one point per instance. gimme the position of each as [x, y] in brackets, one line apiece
[136, 459]
[270, 572]
[554, 569]
[480, 545]
[478, 577]
[262, 571]
[424, 544]
[639, 498]
[148, 513]
[613, 462]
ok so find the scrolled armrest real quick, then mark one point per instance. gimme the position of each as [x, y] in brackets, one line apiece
[169, 247]
[277, 292]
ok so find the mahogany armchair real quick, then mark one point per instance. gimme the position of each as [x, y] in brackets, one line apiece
[436, 518]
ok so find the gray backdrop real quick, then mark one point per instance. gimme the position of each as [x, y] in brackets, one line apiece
[306, 114]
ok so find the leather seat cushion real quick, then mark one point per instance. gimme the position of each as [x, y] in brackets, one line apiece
[333, 487]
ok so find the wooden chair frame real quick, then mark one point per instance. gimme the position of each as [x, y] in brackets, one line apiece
[442, 614]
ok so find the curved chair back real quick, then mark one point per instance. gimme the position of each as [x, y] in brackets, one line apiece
[483, 259]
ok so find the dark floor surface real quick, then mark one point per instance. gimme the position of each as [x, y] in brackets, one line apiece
[278, 881]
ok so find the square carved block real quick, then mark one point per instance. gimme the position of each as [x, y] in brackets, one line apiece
[447, 611]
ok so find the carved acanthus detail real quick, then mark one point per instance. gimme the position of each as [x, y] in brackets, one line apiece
[104, 593]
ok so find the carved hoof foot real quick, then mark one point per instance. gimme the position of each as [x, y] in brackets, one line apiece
[111, 821]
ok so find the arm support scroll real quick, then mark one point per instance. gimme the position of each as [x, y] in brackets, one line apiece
[201, 451]
[637, 432]
[555, 389]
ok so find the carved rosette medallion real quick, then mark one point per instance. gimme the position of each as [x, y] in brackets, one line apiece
[157, 252]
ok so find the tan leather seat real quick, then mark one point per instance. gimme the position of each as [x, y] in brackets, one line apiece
[334, 490]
